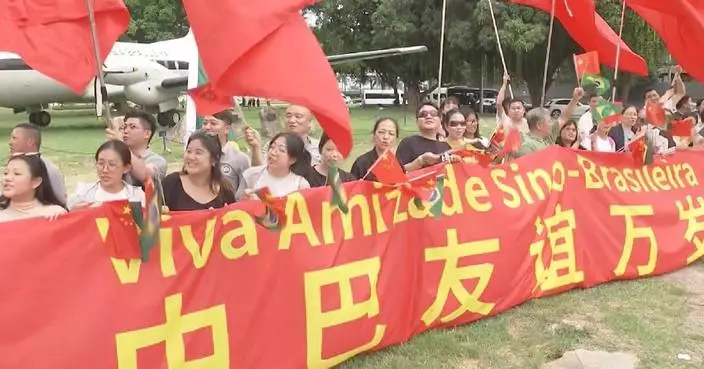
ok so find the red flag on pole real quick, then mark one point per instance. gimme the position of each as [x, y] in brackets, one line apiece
[680, 24]
[587, 63]
[591, 32]
[55, 39]
[278, 57]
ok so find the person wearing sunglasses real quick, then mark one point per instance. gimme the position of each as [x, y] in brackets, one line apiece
[423, 149]
[26, 138]
[455, 126]
[26, 190]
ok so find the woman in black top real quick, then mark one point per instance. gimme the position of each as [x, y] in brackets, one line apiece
[385, 133]
[423, 150]
[318, 174]
[200, 184]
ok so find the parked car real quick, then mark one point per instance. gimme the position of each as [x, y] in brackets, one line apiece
[557, 106]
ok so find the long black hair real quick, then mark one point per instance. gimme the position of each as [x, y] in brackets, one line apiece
[37, 169]
[212, 145]
[296, 149]
[119, 147]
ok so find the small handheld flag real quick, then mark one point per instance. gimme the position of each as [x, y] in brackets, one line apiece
[334, 181]
[274, 217]
[601, 84]
[587, 63]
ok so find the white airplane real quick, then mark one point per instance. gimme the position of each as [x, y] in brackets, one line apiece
[152, 75]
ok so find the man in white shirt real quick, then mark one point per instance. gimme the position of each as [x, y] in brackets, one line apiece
[586, 122]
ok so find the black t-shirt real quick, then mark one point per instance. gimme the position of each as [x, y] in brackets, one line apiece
[315, 179]
[363, 163]
[412, 147]
[176, 198]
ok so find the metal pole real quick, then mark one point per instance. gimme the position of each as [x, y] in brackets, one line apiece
[442, 46]
[99, 64]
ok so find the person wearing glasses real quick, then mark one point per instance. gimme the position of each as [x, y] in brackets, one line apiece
[137, 132]
[288, 162]
[455, 126]
[423, 149]
[26, 190]
[26, 138]
[113, 161]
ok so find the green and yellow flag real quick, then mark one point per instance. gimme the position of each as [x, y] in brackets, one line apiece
[602, 84]
[606, 112]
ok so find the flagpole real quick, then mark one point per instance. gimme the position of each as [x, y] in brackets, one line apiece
[618, 49]
[442, 46]
[547, 53]
[498, 41]
[99, 64]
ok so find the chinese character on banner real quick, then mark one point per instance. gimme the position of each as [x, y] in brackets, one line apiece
[633, 233]
[454, 275]
[561, 269]
[171, 333]
[694, 215]
[317, 320]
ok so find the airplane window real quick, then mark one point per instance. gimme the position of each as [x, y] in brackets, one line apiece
[183, 65]
[171, 64]
[163, 63]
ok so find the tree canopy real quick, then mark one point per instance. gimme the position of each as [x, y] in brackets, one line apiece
[470, 45]
[471, 51]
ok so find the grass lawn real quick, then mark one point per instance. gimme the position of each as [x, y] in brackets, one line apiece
[651, 318]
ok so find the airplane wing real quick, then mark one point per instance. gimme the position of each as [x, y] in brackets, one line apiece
[181, 82]
[375, 54]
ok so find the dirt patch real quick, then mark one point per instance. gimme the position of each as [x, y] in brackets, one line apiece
[691, 280]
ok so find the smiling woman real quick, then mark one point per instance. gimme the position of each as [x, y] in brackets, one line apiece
[200, 184]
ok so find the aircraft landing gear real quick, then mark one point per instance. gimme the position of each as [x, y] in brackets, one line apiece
[40, 118]
[169, 118]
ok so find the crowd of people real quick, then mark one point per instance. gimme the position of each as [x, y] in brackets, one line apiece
[215, 174]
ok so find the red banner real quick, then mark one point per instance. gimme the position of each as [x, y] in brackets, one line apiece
[222, 292]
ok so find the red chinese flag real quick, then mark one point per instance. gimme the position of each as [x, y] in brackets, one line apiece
[680, 25]
[421, 183]
[655, 115]
[276, 56]
[498, 137]
[512, 142]
[591, 32]
[682, 128]
[387, 169]
[54, 37]
[122, 234]
[209, 100]
[474, 157]
[587, 63]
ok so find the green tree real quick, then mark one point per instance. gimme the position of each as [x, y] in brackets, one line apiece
[155, 20]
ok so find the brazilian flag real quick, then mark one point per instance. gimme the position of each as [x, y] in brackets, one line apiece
[606, 112]
[601, 84]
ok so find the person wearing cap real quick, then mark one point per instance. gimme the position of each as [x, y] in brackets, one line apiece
[233, 162]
